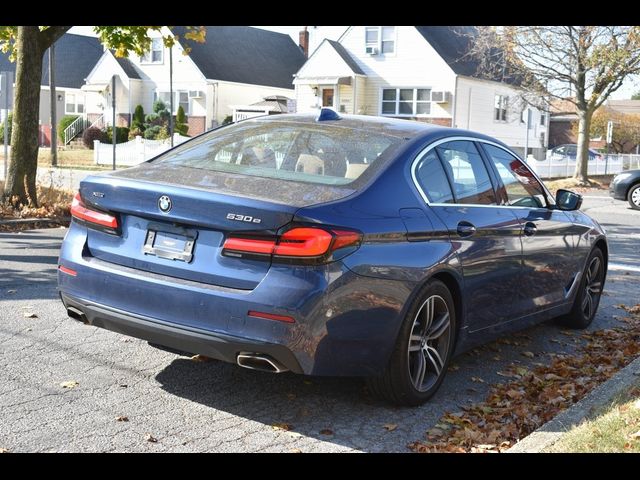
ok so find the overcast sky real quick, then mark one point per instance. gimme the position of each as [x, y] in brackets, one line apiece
[316, 34]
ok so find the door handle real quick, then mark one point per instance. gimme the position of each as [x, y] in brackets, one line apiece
[465, 229]
[530, 229]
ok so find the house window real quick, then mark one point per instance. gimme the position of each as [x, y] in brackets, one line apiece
[406, 101]
[155, 54]
[381, 38]
[543, 118]
[500, 108]
[180, 98]
[183, 101]
[73, 103]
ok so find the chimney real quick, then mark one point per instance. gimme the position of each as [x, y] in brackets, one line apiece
[304, 42]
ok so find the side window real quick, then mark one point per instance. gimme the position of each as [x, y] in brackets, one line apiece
[433, 180]
[523, 189]
[467, 173]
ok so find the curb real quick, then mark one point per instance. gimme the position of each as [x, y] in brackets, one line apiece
[553, 430]
[19, 221]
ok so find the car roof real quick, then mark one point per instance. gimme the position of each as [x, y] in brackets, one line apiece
[405, 129]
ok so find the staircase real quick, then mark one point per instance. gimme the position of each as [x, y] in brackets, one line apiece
[75, 129]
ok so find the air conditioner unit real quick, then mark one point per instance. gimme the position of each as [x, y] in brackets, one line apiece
[372, 50]
[195, 94]
[439, 96]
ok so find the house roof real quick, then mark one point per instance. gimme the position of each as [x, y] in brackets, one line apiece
[348, 59]
[245, 55]
[128, 67]
[625, 106]
[454, 44]
[75, 57]
[275, 103]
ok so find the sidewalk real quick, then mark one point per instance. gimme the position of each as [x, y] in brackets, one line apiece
[60, 178]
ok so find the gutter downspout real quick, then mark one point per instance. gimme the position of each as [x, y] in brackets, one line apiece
[455, 103]
[130, 112]
[355, 93]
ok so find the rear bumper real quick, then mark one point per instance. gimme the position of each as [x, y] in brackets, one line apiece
[345, 324]
[192, 340]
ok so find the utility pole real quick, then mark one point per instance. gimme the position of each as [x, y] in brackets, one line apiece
[171, 93]
[113, 124]
[54, 112]
[526, 135]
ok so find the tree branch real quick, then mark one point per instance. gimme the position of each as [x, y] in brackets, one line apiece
[50, 35]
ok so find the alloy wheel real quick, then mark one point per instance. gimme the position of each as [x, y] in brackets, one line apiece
[429, 343]
[635, 197]
[593, 287]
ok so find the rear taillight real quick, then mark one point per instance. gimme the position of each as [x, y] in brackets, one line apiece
[93, 218]
[313, 244]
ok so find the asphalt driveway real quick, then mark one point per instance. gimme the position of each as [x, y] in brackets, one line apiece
[192, 406]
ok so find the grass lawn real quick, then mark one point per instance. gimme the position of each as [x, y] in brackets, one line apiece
[81, 159]
[615, 428]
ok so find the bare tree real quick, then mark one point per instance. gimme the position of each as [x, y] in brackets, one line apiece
[582, 65]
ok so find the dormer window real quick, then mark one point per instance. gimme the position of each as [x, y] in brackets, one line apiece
[154, 55]
[380, 40]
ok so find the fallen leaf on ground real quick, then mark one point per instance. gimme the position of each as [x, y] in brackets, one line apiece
[123, 385]
[4, 450]
[528, 354]
[151, 438]
[295, 450]
[122, 418]
[637, 404]
[28, 329]
[282, 426]
[326, 431]
[390, 427]
[29, 315]
[69, 384]
[200, 358]
[477, 380]
[635, 436]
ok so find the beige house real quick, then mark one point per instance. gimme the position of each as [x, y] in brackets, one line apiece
[235, 65]
[417, 73]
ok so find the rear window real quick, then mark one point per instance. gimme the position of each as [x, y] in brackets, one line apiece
[330, 155]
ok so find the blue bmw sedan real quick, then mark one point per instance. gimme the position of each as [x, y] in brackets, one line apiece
[329, 245]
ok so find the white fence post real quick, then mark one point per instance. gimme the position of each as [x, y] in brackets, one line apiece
[96, 151]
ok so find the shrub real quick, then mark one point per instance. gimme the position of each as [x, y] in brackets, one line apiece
[135, 132]
[9, 120]
[228, 119]
[91, 134]
[181, 126]
[163, 133]
[152, 132]
[122, 135]
[64, 123]
[137, 122]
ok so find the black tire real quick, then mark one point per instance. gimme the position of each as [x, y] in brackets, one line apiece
[397, 382]
[579, 317]
[634, 197]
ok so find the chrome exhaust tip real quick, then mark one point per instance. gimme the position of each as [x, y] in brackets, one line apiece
[255, 361]
[77, 314]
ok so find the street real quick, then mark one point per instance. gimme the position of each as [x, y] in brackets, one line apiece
[129, 394]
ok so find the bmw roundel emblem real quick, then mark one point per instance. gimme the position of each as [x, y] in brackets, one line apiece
[164, 203]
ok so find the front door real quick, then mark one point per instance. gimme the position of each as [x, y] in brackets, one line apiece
[549, 265]
[485, 236]
[327, 97]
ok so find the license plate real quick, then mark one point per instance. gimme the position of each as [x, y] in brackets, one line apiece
[169, 245]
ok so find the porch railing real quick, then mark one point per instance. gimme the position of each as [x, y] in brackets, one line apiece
[75, 129]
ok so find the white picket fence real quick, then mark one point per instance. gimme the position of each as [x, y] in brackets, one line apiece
[608, 165]
[134, 151]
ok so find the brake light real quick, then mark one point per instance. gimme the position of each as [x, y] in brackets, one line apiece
[80, 211]
[298, 243]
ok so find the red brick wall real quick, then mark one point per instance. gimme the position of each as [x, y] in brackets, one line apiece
[196, 125]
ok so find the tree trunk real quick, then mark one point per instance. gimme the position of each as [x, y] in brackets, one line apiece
[582, 155]
[21, 178]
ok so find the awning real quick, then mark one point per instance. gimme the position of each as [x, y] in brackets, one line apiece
[322, 81]
[94, 87]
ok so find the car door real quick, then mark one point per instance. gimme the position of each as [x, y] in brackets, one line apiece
[549, 264]
[456, 184]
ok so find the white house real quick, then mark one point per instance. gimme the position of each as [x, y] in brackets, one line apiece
[75, 56]
[418, 73]
[235, 65]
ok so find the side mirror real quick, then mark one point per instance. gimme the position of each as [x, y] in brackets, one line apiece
[568, 200]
